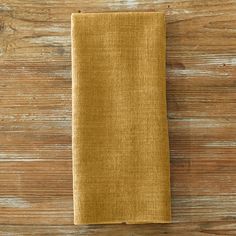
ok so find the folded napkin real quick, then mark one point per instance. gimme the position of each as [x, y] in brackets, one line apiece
[120, 133]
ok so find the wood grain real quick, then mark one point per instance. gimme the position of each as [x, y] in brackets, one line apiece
[35, 116]
[179, 229]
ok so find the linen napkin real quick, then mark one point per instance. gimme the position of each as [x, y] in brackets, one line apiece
[120, 133]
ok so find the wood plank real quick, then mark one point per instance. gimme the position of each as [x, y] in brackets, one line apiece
[35, 116]
[181, 229]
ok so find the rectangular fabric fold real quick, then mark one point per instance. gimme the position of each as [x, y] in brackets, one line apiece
[120, 132]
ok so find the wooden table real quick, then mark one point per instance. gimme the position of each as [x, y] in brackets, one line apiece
[35, 115]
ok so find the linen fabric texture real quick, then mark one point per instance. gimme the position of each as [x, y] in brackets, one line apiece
[120, 132]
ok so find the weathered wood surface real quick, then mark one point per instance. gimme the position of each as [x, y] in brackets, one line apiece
[35, 116]
[179, 229]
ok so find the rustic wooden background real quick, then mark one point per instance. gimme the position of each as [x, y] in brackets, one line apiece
[35, 116]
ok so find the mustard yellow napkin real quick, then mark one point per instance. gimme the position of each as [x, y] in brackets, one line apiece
[120, 134]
